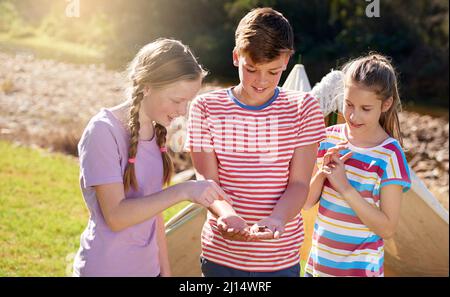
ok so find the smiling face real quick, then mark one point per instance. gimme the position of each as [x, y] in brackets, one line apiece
[362, 109]
[164, 104]
[258, 81]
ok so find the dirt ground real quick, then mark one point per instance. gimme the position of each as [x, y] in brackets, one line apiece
[47, 104]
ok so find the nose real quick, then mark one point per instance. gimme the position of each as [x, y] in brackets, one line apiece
[353, 117]
[261, 78]
[182, 109]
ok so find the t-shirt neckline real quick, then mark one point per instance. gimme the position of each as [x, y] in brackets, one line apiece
[384, 142]
[111, 114]
[251, 107]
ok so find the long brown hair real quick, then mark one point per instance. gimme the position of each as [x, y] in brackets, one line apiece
[376, 73]
[157, 64]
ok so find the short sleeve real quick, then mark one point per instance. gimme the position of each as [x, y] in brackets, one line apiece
[311, 124]
[199, 138]
[397, 171]
[99, 156]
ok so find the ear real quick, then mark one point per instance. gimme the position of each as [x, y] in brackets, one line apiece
[386, 105]
[286, 61]
[146, 91]
[235, 57]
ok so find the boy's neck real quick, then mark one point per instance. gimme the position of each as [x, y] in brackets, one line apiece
[240, 93]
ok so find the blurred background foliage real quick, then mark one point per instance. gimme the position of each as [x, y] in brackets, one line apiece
[327, 34]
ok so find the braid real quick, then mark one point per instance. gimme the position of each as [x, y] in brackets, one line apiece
[161, 134]
[134, 126]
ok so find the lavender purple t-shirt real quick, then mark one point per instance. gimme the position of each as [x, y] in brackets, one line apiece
[103, 153]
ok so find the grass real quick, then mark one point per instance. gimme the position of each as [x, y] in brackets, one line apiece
[42, 213]
[50, 48]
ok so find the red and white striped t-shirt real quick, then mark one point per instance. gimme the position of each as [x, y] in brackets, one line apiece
[254, 146]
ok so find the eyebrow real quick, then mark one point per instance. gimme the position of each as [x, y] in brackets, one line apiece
[271, 69]
[362, 105]
[179, 98]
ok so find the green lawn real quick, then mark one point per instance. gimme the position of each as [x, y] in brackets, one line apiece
[46, 47]
[42, 212]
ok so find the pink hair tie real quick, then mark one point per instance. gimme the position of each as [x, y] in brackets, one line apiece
[132, 160]
[163, 149]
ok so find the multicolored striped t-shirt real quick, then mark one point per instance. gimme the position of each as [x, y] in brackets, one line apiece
[342, 244]
[254, 146]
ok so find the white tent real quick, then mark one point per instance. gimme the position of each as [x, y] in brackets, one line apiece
[297, 79]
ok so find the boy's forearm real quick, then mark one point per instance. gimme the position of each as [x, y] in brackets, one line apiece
[291, 202]
[315, 190]
[221, 208]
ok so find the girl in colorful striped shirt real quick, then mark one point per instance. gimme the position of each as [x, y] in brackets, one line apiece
[360, 175]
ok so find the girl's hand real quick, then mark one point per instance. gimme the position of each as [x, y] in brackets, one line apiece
[233, 227]
[267, 228]
[334, 151]
[204, 192]
[335, 173]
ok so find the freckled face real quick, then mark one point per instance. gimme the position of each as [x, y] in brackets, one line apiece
[362, 108]
[164, 104]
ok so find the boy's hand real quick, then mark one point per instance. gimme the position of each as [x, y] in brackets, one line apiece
[233, 227]
[267, 228]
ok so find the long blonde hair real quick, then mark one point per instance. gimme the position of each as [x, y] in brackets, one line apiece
[157, 64]
[376, 73]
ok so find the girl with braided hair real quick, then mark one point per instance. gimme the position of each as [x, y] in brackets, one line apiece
[124, 164]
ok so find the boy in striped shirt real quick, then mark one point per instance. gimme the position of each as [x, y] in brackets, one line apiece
[259, 143]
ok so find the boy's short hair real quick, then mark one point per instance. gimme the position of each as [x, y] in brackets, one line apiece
[264, 34]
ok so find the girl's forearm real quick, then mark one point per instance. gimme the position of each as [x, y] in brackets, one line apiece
[369, 214]
[130, 212]
[315, 190]
[162, 244]
[291, 202]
